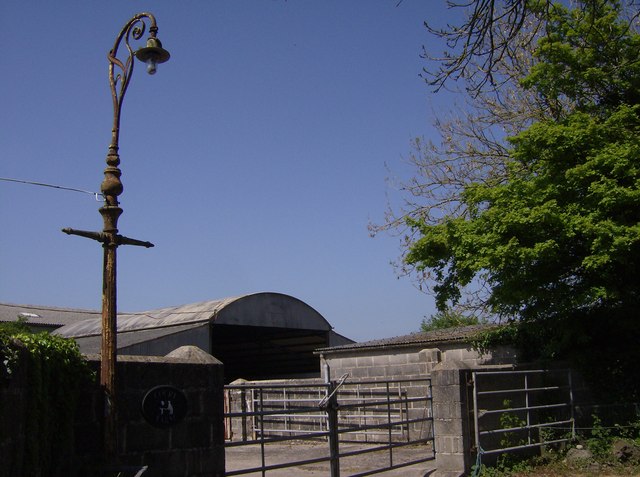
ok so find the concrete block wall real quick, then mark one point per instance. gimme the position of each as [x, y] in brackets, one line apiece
[448, 365]
[193, 447]
[386, 364]
[451, 422]
[380, 364]
[408, 361]
[470, 358]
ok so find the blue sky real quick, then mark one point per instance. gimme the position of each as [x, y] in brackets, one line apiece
[254, 159]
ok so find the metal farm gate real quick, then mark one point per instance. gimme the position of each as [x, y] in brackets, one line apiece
[516, 411]
[391, 422]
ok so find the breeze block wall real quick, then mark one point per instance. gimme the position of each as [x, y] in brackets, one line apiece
[395, 362]
[192, 447]
[452, 427]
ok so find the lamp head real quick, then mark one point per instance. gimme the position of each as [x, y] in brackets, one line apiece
[152, 54]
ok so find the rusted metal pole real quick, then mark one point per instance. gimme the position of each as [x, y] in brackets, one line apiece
[109, 350]
[108, 358]
[111, 188]
[119, 76]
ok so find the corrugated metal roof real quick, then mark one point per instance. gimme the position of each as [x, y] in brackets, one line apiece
[257, 309]
[160, 318]
[431, 337]
[45, 315]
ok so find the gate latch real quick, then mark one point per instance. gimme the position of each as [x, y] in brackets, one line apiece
[325, 400]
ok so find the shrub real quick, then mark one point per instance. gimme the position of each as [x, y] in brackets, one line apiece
[55, 371]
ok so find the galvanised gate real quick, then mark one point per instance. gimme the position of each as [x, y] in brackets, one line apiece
[344, 418]
[521, 410]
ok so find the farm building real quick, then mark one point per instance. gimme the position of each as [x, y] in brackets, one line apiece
[257, 336]
[416, 354]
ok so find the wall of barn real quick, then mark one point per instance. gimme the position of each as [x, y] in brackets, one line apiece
[198, 336]
[405, 361]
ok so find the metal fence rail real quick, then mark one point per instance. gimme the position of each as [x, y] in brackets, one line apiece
[399, 411]
[259, 408]
[384, 415]
[520, 410]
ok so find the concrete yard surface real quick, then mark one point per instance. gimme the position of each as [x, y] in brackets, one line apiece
[246, 457]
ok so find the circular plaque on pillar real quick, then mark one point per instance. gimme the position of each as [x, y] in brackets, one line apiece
[164, 406]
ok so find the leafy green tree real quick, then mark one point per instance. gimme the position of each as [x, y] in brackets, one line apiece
[447, 319]
[557, 237]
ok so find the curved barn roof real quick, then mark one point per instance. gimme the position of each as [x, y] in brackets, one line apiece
[258, 309]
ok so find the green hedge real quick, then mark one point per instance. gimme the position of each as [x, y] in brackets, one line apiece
[55, 371]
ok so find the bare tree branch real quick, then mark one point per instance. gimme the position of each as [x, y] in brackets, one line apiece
[476, 48]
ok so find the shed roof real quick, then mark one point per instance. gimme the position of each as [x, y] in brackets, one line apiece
[45, 315]
[446, 335]
[257, 309]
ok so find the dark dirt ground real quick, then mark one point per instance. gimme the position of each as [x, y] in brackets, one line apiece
[245, 457]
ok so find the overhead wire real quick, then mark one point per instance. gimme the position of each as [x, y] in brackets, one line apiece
[53, 186]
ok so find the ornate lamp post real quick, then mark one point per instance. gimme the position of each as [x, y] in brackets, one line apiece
[152, 54]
